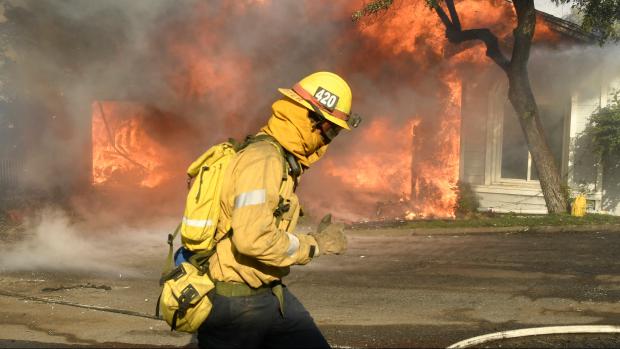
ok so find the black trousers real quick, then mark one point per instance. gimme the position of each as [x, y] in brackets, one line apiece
[256, 322]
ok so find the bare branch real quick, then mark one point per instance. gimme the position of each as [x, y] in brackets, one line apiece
[443, 16]
[456, 35]
[489, 39]
[456, 23]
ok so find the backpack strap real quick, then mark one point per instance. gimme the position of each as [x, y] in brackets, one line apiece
[290, 166]
[169, 265]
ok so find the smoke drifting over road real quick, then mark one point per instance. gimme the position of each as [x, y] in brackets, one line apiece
[54, 241]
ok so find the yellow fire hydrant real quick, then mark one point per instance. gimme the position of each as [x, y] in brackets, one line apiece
[579, 206]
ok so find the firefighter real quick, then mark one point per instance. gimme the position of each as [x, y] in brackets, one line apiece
[251, 306]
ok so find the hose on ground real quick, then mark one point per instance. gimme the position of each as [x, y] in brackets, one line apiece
[535, 331]
[78, 305]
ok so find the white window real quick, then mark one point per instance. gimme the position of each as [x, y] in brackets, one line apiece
[515, 160]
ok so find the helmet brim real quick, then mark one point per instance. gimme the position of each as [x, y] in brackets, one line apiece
[296, 98]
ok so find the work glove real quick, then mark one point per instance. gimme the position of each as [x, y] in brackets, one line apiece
[330, 237]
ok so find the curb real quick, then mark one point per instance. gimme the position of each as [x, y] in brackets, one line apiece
[596, 228]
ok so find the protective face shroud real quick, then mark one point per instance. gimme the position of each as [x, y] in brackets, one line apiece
[291, 125]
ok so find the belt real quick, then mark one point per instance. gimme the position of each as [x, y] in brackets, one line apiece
[238, 289]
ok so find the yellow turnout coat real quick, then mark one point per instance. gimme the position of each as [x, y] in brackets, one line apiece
[261, 250]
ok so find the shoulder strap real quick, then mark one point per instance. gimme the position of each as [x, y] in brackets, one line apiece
[169, 260]
[288, 159]
[289, 166]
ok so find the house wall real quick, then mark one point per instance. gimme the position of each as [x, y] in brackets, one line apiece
[473, 132]
[482, 108]
[507, 197]
[479, 128]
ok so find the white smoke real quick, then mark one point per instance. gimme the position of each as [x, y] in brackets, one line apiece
[52, 241]
[570, 69]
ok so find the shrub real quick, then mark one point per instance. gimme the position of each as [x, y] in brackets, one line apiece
[467, 202]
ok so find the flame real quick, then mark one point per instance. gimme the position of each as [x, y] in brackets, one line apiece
[403, 163]
[435, 176]
[415, 29]
[412, 27]
[122, 149]
[386, 172]
[432, 154]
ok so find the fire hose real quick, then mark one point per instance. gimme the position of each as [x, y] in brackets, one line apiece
[535, 331]
[78, 305]
[467, 343]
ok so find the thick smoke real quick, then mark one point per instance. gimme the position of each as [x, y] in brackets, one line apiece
[211, 68]
[206, 71]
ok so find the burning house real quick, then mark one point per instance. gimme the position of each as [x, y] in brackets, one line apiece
[107, 102]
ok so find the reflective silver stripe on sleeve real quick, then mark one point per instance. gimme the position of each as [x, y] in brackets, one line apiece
[293, 245]
[254, 197]
[198, 223]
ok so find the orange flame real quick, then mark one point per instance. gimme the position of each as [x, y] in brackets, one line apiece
[378, 171]
[403, 163]
[435, 177]
[122, 149]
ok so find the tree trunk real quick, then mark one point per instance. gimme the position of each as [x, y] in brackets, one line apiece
[524, 103]
[520, 91]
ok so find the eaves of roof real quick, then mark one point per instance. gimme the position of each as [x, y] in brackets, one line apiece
[564, 27]
[567, 28]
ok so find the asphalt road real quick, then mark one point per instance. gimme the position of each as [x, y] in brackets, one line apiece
[393, 288]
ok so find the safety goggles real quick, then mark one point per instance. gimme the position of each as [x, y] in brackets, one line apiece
[328, 129]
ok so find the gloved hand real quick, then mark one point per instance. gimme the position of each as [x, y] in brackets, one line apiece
[330, 237]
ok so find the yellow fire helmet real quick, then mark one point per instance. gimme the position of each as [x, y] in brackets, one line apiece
[327, 94]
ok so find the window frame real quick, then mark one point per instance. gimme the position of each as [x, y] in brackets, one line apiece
[495, 123]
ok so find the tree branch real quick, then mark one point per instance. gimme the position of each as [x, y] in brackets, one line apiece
[456, 35]
[456, 23]
[444, 17]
